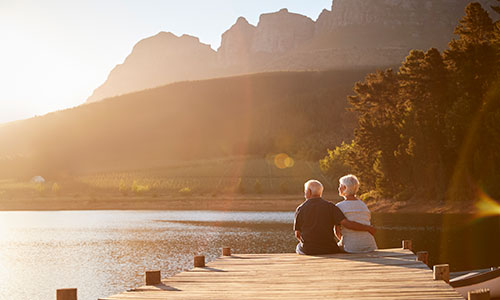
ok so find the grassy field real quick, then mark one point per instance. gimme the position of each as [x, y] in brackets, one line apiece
[274, 183]
[276, 174]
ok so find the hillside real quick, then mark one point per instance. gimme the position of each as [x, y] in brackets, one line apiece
[299, 113]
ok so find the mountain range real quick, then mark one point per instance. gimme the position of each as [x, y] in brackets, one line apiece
[353, 33]
[157, 108]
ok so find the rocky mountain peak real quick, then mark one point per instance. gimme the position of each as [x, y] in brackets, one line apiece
[236, 43]
[391, 23]
[241, 20]
[158, 60]
[246, 45]
[168, 42]
[282, 31]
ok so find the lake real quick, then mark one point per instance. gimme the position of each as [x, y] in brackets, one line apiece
[106, 252]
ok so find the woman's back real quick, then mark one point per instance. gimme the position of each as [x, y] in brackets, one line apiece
[356, 241]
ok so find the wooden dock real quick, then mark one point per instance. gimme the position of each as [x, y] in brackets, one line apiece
[383, 274]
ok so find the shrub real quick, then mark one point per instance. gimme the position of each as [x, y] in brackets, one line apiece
[122, 187]
[185, 191]
[40, 187]
[368, 196]
[138, 188]
[56, 188]
[336, 163]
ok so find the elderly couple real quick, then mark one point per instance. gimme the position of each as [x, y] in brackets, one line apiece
[317, 220]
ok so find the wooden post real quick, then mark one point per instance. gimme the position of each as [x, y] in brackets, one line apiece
[226, 251]
[442, 272]
[481, 294]
[423, 256]
[66, 294]
[199, 261]
[407, 244]
[152, 277]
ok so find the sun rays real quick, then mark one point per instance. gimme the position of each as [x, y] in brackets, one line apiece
[486, 206]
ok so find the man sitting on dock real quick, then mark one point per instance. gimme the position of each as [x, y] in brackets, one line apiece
[315, 219]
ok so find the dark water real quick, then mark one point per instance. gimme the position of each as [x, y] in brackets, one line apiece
[106, 252]
[463, 241]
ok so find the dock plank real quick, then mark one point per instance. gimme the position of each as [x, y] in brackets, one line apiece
[382, 274]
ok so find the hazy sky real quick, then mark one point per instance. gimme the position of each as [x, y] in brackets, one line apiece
[53, 54]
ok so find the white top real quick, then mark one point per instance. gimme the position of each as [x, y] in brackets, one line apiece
[356, 241]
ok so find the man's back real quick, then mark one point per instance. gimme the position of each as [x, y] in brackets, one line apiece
[315, 219]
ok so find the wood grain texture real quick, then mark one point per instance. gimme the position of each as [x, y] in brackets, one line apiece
[383, 274]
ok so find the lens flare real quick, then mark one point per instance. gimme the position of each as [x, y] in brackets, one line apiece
[289, 162]
[283, 161]
[487, 206]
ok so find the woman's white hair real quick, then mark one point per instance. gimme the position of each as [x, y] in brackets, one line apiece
[351, 183]
[315, 187]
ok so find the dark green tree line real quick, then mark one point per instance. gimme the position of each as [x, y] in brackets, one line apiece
[431, 130]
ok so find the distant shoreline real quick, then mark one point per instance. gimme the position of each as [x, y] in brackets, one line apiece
[222, 203]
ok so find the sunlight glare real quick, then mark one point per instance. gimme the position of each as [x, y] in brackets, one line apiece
[487, 206]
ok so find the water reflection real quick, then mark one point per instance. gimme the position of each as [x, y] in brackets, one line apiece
[106, 252]
[462, 241]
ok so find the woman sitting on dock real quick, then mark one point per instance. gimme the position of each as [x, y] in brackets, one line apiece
[355, 210]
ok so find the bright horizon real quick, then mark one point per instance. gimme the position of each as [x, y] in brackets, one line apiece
[54, 55]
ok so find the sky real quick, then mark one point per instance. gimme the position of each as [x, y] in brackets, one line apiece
[54, 53]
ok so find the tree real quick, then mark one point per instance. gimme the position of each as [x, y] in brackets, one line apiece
[496, 8]
[496, 29]
[431, 130]
[424, 90]
[378, 135]
[337, 162]
[56, 188]
[473, 60]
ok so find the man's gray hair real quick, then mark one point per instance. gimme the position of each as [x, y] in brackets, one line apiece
[314, 186]
[351, 183]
